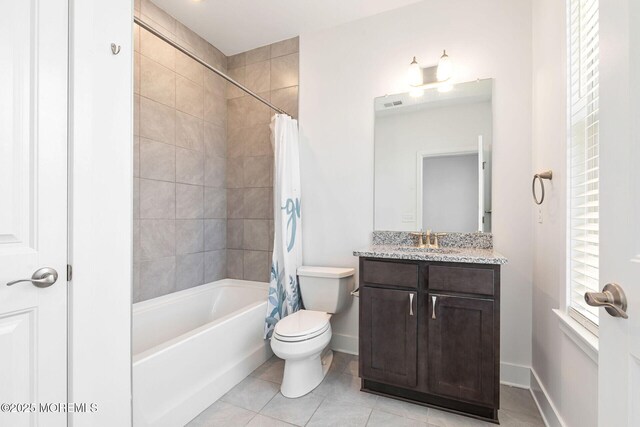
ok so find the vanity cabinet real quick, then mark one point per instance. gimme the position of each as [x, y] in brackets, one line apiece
[389, 338]
[429, 333]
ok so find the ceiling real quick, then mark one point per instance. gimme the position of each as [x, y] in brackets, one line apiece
[235, 26]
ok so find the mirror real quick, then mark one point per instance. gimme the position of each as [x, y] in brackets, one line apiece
[433, 159]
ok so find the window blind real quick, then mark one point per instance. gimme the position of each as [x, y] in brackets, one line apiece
[583, 159]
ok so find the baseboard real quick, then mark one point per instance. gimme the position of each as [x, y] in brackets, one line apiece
[345, 344]
[547, 409]
[515, 375]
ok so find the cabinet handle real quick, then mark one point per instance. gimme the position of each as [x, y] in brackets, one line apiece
[410, 304]
[433, 306]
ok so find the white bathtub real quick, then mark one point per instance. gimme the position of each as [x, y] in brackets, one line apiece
[192, 346]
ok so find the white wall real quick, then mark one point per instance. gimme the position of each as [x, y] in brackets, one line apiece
[343, 69]
[567, 374]
[399, 136]
[101, 162]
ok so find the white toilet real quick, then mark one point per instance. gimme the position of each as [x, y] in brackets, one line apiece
[301, 337]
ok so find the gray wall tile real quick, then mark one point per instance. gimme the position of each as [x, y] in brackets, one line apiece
[189, 270]
[215, 234]
[285, 47]
[215, 265]
[258, 141]
[257, 171]
[189, 166]
[215, 140]
[235, 264]
[154, 48]
[257, 203]
[258, 54]
[157, 199]
[182, 119]
[235, 233]
[189, 236]
[157, 160]
[258, 76]
[157, 121]
[189, 201]
[189, 68]
[157, 238]
[235, 203]
[235, 172]
[284, 71]
[215, 201]
[157, 278]
[215, 171]
[235, 61]
[189, 97]
[157, 82]
[189, 131]
[256, 266]
[256, 234]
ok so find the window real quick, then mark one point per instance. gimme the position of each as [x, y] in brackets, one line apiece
[583, 162]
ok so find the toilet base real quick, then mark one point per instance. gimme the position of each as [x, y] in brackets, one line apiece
[303, 375]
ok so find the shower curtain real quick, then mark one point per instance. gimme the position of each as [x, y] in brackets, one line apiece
[284, 293]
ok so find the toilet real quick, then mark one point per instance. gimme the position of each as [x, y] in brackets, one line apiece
[301, 338]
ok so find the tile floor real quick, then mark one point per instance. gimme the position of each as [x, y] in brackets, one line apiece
[338, 401]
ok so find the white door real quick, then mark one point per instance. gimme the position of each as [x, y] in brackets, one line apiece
[619, 354]
[33, 211]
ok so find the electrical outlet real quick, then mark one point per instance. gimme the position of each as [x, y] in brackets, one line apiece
[539, 215]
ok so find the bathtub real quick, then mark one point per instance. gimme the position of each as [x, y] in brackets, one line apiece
[192, 346]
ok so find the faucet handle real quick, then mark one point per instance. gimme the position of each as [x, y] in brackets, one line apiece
[420, 236]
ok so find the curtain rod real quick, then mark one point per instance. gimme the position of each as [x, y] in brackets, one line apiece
[206, 65]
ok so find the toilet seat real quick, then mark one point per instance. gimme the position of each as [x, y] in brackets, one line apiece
[302, 325]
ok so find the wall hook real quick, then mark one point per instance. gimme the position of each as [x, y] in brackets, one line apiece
[115, 49]
[540, 176]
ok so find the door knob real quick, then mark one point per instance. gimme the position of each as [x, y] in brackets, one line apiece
[42, 278]
[612, 298]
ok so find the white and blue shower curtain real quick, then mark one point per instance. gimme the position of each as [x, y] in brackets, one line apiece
[284, 292]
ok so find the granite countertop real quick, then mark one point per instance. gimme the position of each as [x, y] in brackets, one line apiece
[448, 254]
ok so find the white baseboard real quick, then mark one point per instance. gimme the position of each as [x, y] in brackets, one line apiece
[515, 375]
[345, 344]
[547, 409]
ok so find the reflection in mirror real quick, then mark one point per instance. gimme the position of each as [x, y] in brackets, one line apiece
[433, 160]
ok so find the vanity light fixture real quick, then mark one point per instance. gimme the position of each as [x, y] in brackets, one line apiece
[436, 76]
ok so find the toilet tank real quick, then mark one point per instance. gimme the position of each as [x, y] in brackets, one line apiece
[325, 289]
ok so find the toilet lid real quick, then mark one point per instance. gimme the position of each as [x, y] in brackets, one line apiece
[302, 323]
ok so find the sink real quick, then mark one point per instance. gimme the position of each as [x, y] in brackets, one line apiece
[427, 250]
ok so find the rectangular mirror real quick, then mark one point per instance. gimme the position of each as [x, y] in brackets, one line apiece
[433, 159]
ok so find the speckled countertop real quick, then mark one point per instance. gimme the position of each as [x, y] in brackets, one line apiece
[449, 254]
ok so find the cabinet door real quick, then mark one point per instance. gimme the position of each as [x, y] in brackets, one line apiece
[461, 348]
[388, 336]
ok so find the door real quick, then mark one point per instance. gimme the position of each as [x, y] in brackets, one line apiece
[461, 348]
[388, 336]
[33, 211]
[619, 348]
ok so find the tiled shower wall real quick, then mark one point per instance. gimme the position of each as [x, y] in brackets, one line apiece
[179, 160]
[272, 72]
[182, 176]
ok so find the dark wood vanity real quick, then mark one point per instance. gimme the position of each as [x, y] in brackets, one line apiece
[430, 333]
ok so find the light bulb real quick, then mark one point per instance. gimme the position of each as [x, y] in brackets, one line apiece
[414, 74]
[445, 67]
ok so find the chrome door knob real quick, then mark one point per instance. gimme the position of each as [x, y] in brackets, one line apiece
[42, 278]
[612, 298]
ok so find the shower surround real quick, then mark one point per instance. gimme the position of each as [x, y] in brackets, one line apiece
[272, 72]
[203, 158]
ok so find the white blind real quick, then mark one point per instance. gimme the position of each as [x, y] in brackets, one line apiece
[583, 158]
